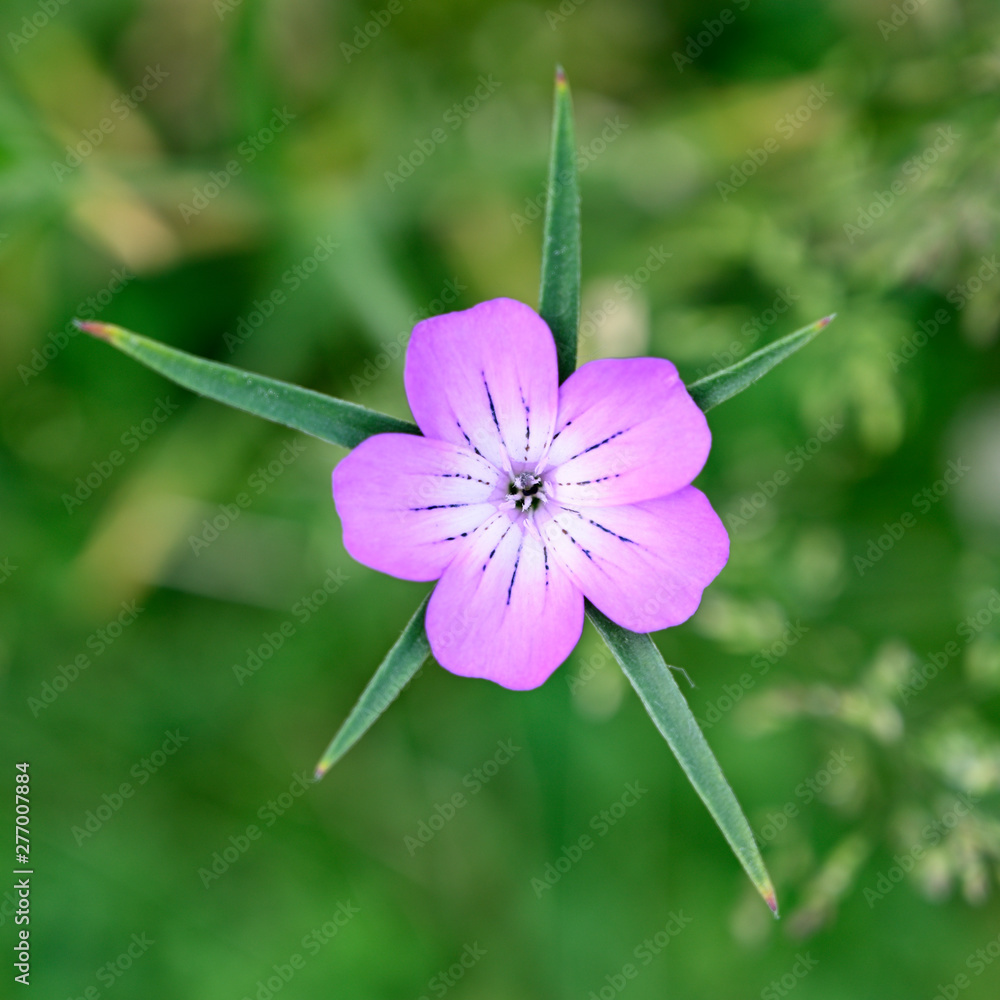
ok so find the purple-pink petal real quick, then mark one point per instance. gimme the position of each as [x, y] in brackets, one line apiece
[627, 431]
[502, 611]
[487, 378]
[644, 565]
[525, 497]
[408, 503]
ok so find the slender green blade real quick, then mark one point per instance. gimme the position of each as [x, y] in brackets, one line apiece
[325, 417]
[720, 386]
[559, 299]
[655, 684]
[396, 671]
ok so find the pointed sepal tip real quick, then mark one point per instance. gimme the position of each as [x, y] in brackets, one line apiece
[105, 331]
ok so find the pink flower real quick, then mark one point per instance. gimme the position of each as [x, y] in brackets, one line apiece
[525, 496]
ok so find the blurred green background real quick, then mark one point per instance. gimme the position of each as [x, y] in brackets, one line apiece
[182, 168]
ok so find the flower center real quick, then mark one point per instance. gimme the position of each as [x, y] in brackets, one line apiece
[527, 491]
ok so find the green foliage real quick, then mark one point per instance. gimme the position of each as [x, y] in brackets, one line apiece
[342, 423]
[559, 298]
[329, 419]
[654, 683]
[722, 385]
[879, 203]
[405, 658]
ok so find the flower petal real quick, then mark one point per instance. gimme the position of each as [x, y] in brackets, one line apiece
[408, 503]
[502, 610]
[485, 377]
[627, 431]
[644, 565]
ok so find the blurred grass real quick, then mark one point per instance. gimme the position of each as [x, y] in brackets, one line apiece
[462, 221]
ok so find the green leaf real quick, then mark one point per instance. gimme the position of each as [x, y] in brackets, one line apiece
[559, 299]
[662, 698]
[325, 417]
[396, 671]
[720, 386]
